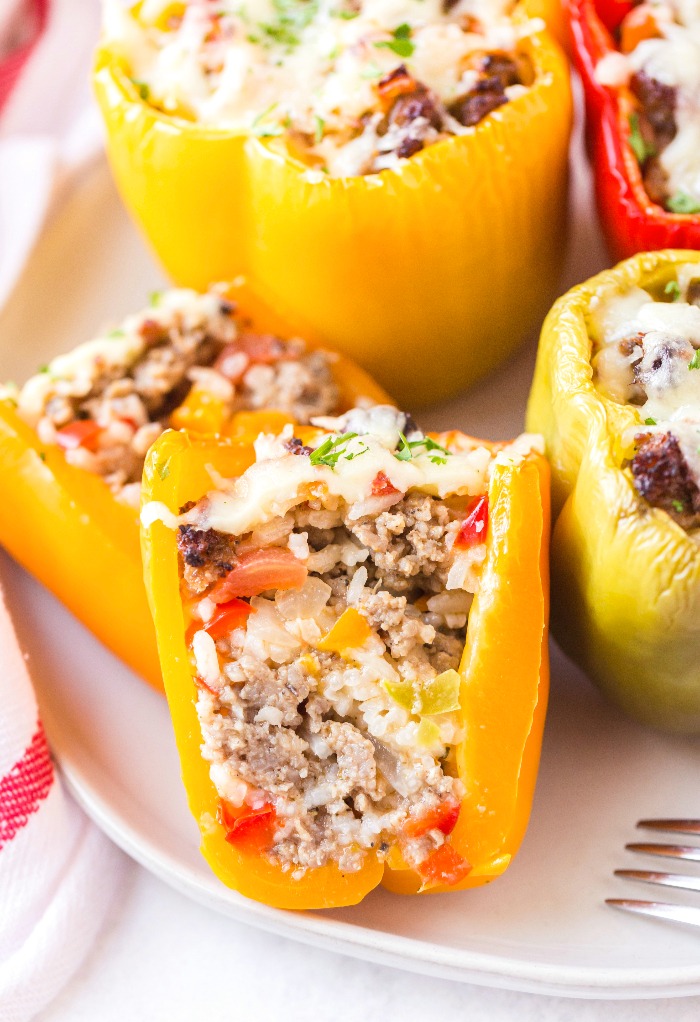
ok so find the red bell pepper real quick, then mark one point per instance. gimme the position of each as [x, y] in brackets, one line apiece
[631, 222]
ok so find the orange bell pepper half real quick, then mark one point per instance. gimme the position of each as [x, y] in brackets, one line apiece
[64, 526]
[504, 677]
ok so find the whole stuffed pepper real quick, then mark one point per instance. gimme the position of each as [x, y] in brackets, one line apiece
[334, 729]
[74, 438]
[617, 396]
[402, 166]
[640, 66]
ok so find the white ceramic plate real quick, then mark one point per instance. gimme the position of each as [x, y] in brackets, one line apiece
[542, 927]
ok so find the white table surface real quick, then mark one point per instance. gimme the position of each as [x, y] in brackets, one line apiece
[161, 956]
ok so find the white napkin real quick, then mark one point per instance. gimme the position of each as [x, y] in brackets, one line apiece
[58, 873]
[49, 128]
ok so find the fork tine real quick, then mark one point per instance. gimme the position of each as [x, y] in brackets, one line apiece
[675, 826]
[659, 910]
[665, 879]
[689, 852]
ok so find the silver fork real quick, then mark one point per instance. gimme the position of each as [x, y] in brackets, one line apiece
[685, 853]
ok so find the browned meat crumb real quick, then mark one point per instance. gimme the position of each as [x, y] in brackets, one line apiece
[661, 475]
[658, 106]
[657, 125]
[497, 71]
[207, 556]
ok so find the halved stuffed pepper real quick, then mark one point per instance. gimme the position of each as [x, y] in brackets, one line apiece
[73, 439]
[640, 63]
[311, 598]
[399, 165]
[617, 396]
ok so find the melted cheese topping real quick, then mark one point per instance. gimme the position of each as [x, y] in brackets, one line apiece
[355, 457]
[661, 363]
[309, 67]
[674, 60]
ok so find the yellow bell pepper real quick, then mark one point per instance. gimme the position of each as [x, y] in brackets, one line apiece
[503, 686]
[64, 525]
[429, 275]
[626, 576]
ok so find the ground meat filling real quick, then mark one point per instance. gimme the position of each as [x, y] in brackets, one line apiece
[309, 730]
[647, 354]
[108, 401]
[349, 87]
[661, 475]
[415, 117]
[657, 127]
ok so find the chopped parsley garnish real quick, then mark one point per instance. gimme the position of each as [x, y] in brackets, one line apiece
[695, 361]
[673, 289]
[291, 18]
[333, 449]
[650, 421]
[44, 369]
[155, 297]
[401, 43]
[261, 130]
[118, 332]
[437, 453]
[641, 149]
[142, 89]
[320, 129]
[403, 451]
[681, 202]
[164, 469]
[42, 455]
[678, 506]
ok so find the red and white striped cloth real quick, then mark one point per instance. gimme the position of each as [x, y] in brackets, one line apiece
[58, 873]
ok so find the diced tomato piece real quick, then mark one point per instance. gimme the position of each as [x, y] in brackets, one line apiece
[232, 362]
[262, 349]
[443, 866]
[612, 12]
[233, 614]
[81, 433]
[441, 817]
[473, 528]
[201, 683]
[258, 570]
[132, 423]
[382, 486]
[248, 828]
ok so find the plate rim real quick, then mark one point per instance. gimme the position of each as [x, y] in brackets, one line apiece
[365, 943]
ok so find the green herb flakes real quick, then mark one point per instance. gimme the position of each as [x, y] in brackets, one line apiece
[683, 203]
[640, 148]
[142, 89]
[333, 449]
[401, 43]
[673, 289]
[695, 361]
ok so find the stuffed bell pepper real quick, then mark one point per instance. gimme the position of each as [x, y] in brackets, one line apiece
[402, 165]
[74, 438]
[640, 66]
[311, 598]
[617, 396]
